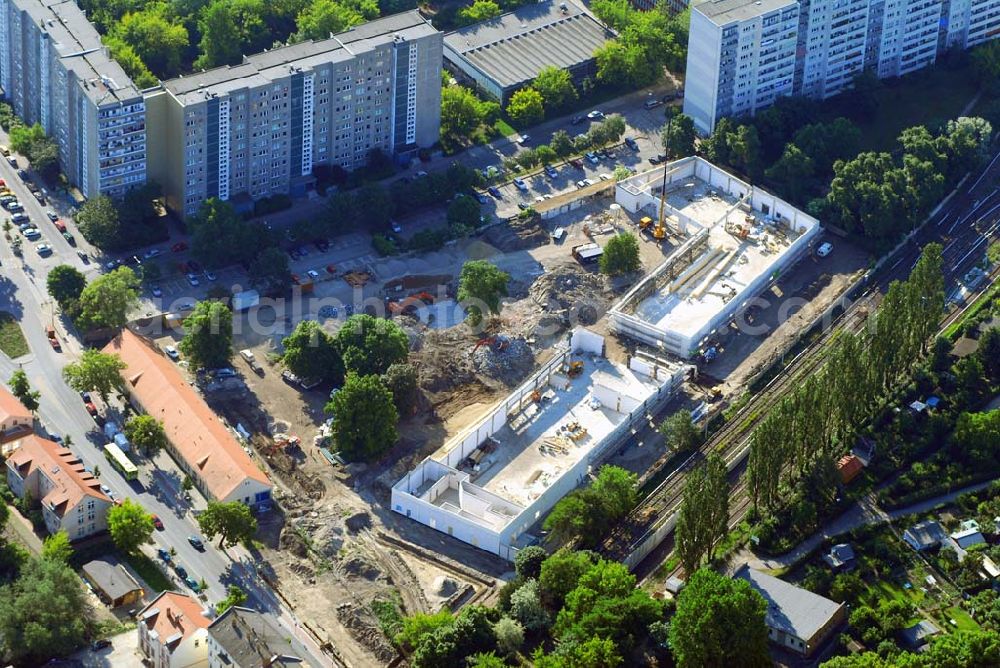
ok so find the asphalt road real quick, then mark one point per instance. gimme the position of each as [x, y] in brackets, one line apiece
[61, 411]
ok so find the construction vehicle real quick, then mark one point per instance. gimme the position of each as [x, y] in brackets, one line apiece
[575, 369]
[499, 343]
[645, 223]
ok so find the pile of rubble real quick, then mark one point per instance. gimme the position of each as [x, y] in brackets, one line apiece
[573, 294]
[366, 630]
[507, 360]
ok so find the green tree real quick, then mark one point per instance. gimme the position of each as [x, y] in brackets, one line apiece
[606, 604]
[220, 236]
[234, 597]
[312, 353]
[588, 513]
[556, 87]
[988, 353]
[208, 336]
[129, 525]
[322, 18]
[561, 143]
[43, 613]
[371, 345]
[479, 10]
[546, 155]
[108, 300]
[156, 37]
[526, 106]
[57, 547]
[97, 219]
[146, 432]
[464, 213]
[591, 653]
[480, 288]
[678, 136]
[364, 425]
[96, 372]
[232, 522]
[679, 432]
[719, 622]
[419, 625]
[793, 171]
[704, 513]
[471, 633]
[560, 574]
[130, 61]
[526, 606]
[21, 388]
[270, 270]
[461, 113]
[528, 562]
[977, 437]
[510, 636]
[401, 380]
[621, 255]
[488, 659]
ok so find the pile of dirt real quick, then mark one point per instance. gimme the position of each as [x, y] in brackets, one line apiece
[444, 586]
[509, 363]
[517, 234]
[358, 565]
[363, 626]
[571, 292]
[291, 541]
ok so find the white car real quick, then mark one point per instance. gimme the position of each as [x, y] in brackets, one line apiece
[397, 228]
[313, 274]
[583, 183]
[52, 216]
[193, 280]
[172, 353]
[595, 115]
[824, 249]
[521, 185]
[151, 253]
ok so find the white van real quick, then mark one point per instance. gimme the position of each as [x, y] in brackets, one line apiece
[824, 249]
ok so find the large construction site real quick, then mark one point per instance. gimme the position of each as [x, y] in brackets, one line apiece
[735, 240]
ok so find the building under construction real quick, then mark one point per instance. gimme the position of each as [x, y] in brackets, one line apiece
[734, 240]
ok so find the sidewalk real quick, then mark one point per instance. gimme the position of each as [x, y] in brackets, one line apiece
[862, 513]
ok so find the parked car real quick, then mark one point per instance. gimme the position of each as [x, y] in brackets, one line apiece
[576, 162]
[632, 143]
[70, 239]
[180, 570]
[44, 250]
[98, 645]
[520, 184]
[193, 264]
[492, 190]
[151, 253]
[179, 247]
[523, 206]
[156, 291]
[193, 584]
[824, 249]
[313, 274]
[592, 158]
[595, 115]
[32, 234]
[196, 542]
[551, 171]
[652, 104]
[397, 228]
[172, 353]
[193, 280]
[163, 555]
[157, 522]
[483, 199]
[583, 183]
[21, 174]
[52, 216]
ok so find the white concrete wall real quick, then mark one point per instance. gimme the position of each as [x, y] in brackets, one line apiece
[584, 340]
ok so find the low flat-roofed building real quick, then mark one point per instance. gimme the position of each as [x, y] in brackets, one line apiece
[504, 54]
[112, 582]
[173, 632]
[490, 484]
[202, 445]
[796, 618]
[71, 498]
[734, 241]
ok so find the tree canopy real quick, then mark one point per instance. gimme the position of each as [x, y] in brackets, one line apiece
[65, 284]
[526, 107]
[364, 418]
[43, 613]
[556, 87]
[371, 345]
[96, 372]
[129, 525]
[146, 433]
[208, 335]
[719, 622]
[312, 353]
[621, 255]
[21, 388]
[109, 299]
[232, 522]
[589, 512]
[481, 285]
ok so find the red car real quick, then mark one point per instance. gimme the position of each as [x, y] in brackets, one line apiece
[55, 345]
[576, 162]
[331, 269]
[295, 279]
[179, 247]
[157, 523]
[91, 408]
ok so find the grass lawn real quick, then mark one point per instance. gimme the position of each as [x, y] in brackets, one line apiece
[933, 95]
[12, 341]
[504, 128]
[962, 619]
[890, 591]
[149, 572]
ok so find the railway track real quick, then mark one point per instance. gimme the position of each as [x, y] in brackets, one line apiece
[732, 440]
